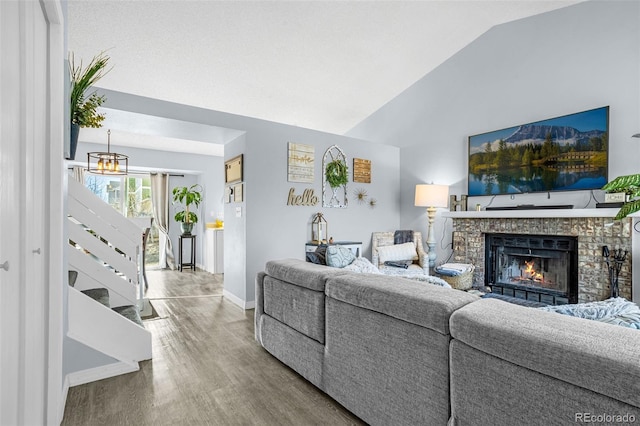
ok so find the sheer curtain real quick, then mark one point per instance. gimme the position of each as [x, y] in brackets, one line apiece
[160, 202]
[78, 173]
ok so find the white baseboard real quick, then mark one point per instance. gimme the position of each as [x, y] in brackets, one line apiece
[236, 300]
[98, 373]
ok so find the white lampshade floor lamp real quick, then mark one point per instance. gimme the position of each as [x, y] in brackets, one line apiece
[431, 196]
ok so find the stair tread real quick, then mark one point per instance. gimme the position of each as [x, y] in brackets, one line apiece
[99, 294]
[131, 313]
[73, 276]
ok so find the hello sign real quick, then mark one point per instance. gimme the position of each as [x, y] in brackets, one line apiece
[308, 198]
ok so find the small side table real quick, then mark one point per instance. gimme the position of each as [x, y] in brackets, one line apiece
[192, 263]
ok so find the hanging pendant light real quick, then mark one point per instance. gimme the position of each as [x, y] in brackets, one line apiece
[107, 163]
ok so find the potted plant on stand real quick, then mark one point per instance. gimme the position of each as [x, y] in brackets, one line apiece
[187, 196]
[84, 105]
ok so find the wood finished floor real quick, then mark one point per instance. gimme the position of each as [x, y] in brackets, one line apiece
[207, 369]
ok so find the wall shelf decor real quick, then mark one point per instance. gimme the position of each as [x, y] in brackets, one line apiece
[335, 176]
[233, 170]
[301, 161]
[361, 170]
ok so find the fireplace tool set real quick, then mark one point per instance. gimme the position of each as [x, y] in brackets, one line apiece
[614, 261]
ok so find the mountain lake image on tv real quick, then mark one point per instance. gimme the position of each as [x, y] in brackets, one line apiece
[559, 154]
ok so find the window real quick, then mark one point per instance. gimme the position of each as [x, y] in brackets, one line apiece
[131, 196]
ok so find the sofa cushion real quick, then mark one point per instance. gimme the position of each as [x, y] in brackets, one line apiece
[396, 252]
[304, 355]
[300, 273]
[585, 353]
[339, 257]
[385, 370]
[412, 301]
[298, 307]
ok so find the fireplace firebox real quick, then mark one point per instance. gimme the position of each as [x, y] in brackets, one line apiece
[541, 268]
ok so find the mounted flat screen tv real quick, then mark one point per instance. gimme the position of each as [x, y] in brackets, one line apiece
[559, 154]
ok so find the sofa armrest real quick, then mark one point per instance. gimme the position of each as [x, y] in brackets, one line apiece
[301, 273]
[423, 256]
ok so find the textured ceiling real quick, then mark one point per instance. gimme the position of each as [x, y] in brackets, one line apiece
[323, 65]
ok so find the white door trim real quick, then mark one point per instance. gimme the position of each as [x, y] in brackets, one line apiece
[58, 116]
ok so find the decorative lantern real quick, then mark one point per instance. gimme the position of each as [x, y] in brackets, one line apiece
[319, 229]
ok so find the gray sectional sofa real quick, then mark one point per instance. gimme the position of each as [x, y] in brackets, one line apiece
[397, 351]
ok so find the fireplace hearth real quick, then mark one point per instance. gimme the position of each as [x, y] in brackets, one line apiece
[540, 268]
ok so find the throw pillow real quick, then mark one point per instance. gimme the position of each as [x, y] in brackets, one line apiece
[314, 258]
[396, 252]
[339, 257]
[321, 251]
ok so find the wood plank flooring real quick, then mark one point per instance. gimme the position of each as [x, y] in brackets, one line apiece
[207, 369]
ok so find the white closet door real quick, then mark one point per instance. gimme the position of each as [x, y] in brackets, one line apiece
[25, 139]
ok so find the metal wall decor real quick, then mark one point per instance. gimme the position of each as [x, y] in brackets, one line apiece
[301, 163]
[334, 170]
[308, 198]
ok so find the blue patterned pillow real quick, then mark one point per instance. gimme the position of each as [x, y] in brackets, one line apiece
[339, 257]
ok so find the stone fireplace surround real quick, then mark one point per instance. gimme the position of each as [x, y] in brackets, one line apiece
[593, 227]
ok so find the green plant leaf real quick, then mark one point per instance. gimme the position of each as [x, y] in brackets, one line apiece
[83, 104]
[627, 209]
[187, 196]
[628, 183]
[336, 173]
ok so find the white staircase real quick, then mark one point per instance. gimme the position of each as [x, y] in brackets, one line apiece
[105, 249]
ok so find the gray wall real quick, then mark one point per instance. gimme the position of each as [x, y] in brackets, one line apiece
[275, 230]
[235, 234]
[569, 60]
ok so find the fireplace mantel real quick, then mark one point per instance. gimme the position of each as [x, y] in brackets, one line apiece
[534, 213]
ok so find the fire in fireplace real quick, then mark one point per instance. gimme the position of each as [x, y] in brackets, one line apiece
[542, 268]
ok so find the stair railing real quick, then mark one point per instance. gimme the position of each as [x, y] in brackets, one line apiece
[105, 246]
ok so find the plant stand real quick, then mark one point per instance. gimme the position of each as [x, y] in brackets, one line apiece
[192, 263]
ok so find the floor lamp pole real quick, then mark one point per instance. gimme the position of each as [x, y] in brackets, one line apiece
[431, 237]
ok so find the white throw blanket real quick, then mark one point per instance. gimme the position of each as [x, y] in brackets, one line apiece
[364, 266]
[617, 311]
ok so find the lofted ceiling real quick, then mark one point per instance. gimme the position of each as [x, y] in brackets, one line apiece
[323, 65]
